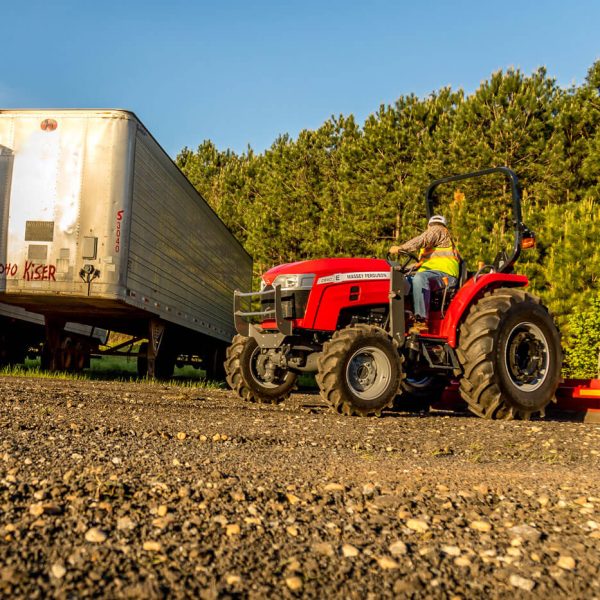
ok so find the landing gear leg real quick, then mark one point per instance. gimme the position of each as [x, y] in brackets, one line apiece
[53, 353]
[160, 357]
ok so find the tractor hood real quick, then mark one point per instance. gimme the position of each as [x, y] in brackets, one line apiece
[326, 267]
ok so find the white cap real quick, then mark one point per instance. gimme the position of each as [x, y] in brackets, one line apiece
[439, 220]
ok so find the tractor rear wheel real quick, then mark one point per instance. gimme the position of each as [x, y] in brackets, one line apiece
[253, 377]
[359, 370]
[510, 352]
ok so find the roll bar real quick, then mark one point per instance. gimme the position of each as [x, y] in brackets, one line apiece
[521, 230]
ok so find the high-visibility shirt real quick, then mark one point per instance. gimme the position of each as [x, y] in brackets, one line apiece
[444, 259]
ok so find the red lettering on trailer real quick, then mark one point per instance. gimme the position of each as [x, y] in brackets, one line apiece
[8, 269]
[118, 231]
[35, 272]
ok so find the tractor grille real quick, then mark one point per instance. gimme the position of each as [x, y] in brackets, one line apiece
[293, 303]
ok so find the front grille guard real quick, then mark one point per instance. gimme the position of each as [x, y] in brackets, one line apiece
[244, 318]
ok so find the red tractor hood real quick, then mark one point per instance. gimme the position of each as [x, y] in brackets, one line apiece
[324, 267]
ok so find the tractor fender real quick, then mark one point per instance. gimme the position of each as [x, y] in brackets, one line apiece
[468, 294]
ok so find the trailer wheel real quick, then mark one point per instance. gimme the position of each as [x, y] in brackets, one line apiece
[250, 375]
[510, 352]
[360, 370]
[418, 393]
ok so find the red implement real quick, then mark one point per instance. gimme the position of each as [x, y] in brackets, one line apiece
[580, 397]
[576, 399]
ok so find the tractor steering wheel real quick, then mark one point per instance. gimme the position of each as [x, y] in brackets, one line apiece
[406, 262]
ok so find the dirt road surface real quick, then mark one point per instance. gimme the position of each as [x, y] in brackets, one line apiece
[131, 490]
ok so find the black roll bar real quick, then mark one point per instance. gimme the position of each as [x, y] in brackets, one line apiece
[521, 230]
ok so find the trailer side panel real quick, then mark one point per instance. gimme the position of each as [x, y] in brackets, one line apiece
[183, 262]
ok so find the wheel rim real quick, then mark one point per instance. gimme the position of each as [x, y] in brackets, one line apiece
[368, 372]
[259, 366]
[527, 357]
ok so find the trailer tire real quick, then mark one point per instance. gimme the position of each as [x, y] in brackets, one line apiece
[359, 371]
[509, 348]
[244, 379]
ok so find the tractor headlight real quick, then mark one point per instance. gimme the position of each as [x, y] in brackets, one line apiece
[300, 281]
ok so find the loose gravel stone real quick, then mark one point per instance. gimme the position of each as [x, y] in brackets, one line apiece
[95, 535]
[398, 548]
[58, 570]
[451, 550]
[566, 562]
[521, 582]
[525, 532]
[483, 526]
[385, 562]
[349, 551]
[294, 583]
[152, 546]
[417, 525]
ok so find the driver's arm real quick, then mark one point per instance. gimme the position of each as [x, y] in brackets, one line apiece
[411, 246]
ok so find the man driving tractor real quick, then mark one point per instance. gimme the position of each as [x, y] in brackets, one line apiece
[438, 266]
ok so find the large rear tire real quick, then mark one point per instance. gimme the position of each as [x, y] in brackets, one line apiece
[359, 371]
[510, 352]
[248, 374]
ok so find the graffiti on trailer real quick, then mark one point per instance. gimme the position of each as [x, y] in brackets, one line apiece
[9, 269]
[34, 272]
[31, 272]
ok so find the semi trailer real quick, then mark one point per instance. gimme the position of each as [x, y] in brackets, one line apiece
[99, 227]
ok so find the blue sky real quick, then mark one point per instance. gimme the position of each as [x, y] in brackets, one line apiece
[242, 72]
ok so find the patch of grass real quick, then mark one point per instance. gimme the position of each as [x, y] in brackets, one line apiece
[113, 368]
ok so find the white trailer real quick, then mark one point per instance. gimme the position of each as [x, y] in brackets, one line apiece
[98, 226]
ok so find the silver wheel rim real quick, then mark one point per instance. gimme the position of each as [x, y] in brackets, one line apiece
[526, 357]
[368, 373]
[254, 366]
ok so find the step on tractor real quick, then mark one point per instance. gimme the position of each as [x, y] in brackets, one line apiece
[347, 320]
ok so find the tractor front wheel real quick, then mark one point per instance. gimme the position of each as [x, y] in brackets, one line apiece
[359, 371]
[510, 352]
[253, 376]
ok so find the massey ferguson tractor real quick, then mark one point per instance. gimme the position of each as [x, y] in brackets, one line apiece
[347, 320]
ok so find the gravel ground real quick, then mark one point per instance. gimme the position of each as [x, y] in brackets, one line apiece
[130, 490]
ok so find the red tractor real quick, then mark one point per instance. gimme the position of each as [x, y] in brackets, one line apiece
[346, 319]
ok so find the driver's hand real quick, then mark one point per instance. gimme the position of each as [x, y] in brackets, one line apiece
[394, 249]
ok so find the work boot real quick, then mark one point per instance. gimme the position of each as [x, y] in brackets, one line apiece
[419, 327]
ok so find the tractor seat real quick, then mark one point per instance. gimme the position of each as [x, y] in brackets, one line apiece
[441, 298]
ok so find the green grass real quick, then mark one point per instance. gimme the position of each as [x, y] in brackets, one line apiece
[113, 368]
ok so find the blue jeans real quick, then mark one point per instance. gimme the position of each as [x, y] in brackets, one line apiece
[422, 284]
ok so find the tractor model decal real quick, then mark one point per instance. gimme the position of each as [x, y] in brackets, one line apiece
[365, 276]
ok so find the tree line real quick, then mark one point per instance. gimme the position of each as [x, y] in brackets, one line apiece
[350, 189]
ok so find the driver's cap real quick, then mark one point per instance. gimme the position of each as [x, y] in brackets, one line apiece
[438, 219]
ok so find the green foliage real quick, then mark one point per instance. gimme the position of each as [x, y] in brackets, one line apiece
[351, 190]
[581, 356]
